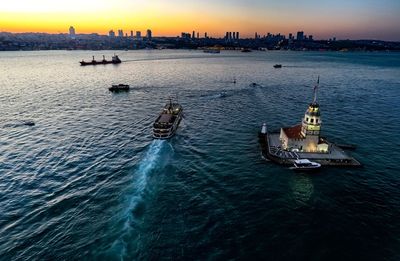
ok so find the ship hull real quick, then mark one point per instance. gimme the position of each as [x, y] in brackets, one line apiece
[98, 63]
[165, 134]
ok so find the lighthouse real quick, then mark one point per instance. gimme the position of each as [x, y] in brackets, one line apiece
[305, 137]
[303, 142]
[311, 124]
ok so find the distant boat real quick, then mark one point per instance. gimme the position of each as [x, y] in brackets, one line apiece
[246, 50]
[278, 66]
[211, 51]
[119, 87]
[115, 60]
[305, 164]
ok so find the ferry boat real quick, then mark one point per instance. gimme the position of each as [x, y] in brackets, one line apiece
[277, 66]
[114, 60]
[168, 121]
[119, 87]
[305, 164]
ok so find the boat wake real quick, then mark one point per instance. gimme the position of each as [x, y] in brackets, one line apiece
[153, 160]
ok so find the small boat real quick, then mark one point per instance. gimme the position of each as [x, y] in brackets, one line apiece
[167, 122]
[211, 51]
[119, 87]
[114, 60]
[305, 164]
[277, 66]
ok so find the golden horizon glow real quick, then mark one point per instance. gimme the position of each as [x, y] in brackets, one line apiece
[170, 18]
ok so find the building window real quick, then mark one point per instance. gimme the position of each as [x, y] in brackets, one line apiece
[307, 119]
[316, 120]
[312, 120]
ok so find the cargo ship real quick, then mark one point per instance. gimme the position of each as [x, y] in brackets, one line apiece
[114, 60]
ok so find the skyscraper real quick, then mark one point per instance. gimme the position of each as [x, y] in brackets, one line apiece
[131, 33]
[234, 35]
[193, 34]
[149, 35]
[205, 35]
[300, 36]
[111, 34]
[120, 33]
[138, 35]
[237, 36]
[72, 32]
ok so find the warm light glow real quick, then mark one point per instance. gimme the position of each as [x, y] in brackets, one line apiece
[325, 19]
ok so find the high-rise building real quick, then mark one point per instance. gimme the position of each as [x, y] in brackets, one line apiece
[198, 35]
[120, 33]
[300, 36]
[237, 36]
[230, 35]
[234, 35]
[205, 35]
[111, 33]
[193, 34]
[186, 35]
[72, 32]
[256, 36]
[227, 36]
[131, 33]
[149, 35]
[138, 35]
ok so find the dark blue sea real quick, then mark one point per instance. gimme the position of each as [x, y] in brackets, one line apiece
[82, 179]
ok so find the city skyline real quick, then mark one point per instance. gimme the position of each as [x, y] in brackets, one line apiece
[368, 19]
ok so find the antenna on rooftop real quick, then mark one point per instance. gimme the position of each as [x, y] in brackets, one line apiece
[315, 90]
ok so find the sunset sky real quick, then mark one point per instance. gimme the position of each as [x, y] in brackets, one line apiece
[354, 19]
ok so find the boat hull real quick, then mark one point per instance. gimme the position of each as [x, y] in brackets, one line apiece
[98, 63]
[165, 134]
[305, 169]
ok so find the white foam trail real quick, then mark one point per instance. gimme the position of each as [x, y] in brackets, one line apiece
[149, 162]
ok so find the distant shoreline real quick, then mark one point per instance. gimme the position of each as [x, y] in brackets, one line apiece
[188, 49]
[35, 42]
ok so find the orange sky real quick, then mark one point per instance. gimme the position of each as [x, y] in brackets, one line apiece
[333, 18]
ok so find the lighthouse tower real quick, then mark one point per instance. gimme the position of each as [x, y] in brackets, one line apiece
[311, 124]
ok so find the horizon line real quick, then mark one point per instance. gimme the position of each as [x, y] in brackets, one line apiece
[209, 36]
